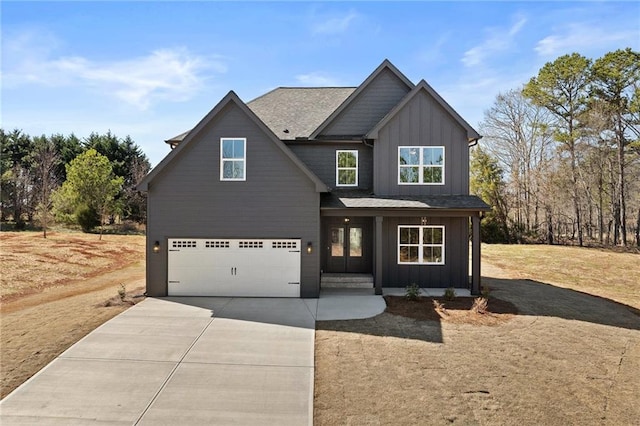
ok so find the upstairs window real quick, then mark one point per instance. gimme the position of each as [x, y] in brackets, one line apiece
[421, 165]
[422, 245]
[347, 168]
[233, 159]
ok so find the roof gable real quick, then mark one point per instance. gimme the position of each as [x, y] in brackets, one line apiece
[472, 134]
[385, 69]
[231, 97]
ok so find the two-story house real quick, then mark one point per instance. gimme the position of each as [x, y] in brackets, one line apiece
[261, 199]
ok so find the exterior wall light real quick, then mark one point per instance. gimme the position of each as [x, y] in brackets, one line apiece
[156, 247]
[309, 247]
[346, 220]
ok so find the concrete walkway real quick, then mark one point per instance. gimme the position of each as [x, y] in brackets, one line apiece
[190, 361]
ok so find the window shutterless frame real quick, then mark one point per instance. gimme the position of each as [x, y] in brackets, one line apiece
[421, 165]
[346, 168]
[233, 159]
[421, 245]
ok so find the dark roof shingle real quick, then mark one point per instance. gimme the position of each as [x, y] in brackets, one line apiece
[299, 110]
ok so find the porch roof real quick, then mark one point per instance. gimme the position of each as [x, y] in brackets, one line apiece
[367, 200]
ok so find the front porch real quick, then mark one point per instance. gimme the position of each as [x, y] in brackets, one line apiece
[383, 237]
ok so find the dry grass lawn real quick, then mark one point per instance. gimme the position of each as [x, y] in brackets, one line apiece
[566, 358]
[609, 274]
[53, 293]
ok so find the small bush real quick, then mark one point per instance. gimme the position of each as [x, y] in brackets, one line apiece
[485, 291]
[87, 218]
[412, 292]
[480, 305]
[122, 291]
[449, 294]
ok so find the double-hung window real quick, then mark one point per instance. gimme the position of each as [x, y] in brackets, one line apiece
[233, 159]
[421, 165]
[421, 245]
[346, 168]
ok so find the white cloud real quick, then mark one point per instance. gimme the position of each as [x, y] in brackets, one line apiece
[317, 78]
[334, 25]
[498, 40]
[582, 37]
[164, 74]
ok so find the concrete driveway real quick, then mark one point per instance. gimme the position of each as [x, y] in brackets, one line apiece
[181, 361]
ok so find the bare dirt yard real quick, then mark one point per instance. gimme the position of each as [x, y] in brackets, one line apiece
[53, 292]
[555, 355]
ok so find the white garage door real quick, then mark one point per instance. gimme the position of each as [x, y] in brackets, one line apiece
[233, 267]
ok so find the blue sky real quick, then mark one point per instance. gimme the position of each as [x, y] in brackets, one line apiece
[152, 70]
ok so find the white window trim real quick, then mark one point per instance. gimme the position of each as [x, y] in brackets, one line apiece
[352, 151]
[421, 166]
[244, 160]
[421, 245]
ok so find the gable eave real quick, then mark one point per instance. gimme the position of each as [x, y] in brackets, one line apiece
[386, 64]
[472, 134]
[191, 135]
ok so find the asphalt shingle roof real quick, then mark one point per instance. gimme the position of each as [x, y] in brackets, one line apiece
[298, 110]
[362, 200]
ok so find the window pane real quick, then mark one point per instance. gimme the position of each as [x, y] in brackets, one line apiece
[238, 149]
[337, 242]
[409, 174]
[346, 177]
[432, 156]
[432, 236]
[409, 235]
[408, 254]
[432, 255]
[432, 175]
[409, 156]
[238, 169]
[347, 159]
[227, 149]
[227, 169]
[355, 242]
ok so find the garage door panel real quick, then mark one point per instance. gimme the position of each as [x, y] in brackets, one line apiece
[237, 267]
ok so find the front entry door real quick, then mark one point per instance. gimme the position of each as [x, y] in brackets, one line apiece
[348, 245]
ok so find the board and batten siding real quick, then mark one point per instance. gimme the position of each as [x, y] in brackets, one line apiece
[455, 271]
[187, 199]
[369, 106]
[321, 159]
[422, 122]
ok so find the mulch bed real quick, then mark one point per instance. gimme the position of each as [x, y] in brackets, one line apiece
[458, 310]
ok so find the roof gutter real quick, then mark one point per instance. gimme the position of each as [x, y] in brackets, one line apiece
[474, 141]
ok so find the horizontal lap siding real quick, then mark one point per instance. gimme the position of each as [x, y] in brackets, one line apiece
[455, 271]
[321, 159]
[421, 122]
[370, 106]
[187, 199]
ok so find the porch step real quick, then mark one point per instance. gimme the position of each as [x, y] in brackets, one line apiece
[346, 281]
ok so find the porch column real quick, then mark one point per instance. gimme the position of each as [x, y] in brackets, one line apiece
[475, 254]
[378, 256]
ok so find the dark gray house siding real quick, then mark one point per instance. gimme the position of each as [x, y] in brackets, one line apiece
[455, 271]
[422, 122]
[187, 198]
[321, 159]
[369, 106]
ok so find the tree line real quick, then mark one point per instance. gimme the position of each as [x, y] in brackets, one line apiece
[560, 158]
[89, 181]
